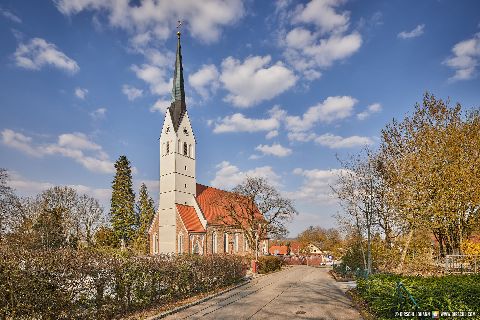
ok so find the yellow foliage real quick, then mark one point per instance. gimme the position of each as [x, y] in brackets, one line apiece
[470, 247]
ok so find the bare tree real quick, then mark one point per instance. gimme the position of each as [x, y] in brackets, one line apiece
[257, 208]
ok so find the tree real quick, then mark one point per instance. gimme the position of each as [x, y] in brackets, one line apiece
[432, 166]
[145, 212]
[89, 213]
[325, 239]
[10, 206]
[258, 209]
[122, 204]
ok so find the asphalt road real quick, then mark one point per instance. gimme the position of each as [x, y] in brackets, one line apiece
[299, 292]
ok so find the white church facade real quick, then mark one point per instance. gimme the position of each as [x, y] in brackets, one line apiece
[187, 219]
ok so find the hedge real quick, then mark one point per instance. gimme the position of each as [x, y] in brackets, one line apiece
[267, 264]
[68, 284]
[450, 293]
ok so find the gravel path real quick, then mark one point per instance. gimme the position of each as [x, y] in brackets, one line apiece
[299, 292]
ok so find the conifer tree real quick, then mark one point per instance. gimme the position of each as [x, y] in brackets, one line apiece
[122, 214]
[145, 213]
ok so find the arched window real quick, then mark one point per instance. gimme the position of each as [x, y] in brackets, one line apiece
[190, 150]
[245, 241]
[225, 242]
[179, 144]
[185, 151]
[155, 243]
[214, 242]
[180, 243]
[235, 242]
[168, 147]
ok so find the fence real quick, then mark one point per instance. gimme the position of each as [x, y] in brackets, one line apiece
[457, 263]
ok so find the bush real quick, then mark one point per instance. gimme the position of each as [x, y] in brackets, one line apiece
[68, 284]
[453, 293]
[267, 264]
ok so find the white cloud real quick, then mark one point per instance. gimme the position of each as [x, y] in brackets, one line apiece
[417, 32]
[336, 142]
[156, 77]
[27, 187]
[239, 123]
[205, 18]
[331, 109]
[160, 106]
[330, 140]
[205, 80]
[81, 93]
[76, 146]
[322, 14]
[37, 53]
[229, 175]
[316, 185]
[319, 36]
[373, 108]
[252, 81]
[275, 150]
[20, 142]
[99, 113]
[271, 134]
[465, 59]
[10, 15]
[132, 93]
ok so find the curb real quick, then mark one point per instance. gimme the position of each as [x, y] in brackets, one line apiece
[191, 304]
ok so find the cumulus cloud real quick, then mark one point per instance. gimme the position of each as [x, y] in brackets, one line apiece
[465, 59]
[275, 150]
[331, 109]
[271, 134]
[155, 77]
[373, 108]
[252, 81]
[38, 53]
[316, 185]
[330, 140]
[205, 80]
[417, 32]
[229, 175]
[160, 105]
[239, 123]
[76, 146]
[10, 15]
[131, 92]
[318, 37]
[205, 18]
[81, 93]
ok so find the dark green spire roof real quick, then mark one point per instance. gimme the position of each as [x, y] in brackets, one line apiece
[178, 106]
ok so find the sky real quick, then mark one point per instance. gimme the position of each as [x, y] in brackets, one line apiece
[276, 89]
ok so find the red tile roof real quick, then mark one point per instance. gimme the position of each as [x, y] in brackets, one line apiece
[210, 201]
[283, 250]
[190, 218]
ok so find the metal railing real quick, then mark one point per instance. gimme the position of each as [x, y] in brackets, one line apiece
[457, 263]
[403, 295]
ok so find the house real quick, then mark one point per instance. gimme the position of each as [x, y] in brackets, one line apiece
[190, 219]
[279, 250]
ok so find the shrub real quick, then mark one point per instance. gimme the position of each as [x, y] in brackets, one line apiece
[267, 264]
[453, 293]
[68, 284]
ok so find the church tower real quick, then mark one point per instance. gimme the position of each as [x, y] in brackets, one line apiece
[177, 161]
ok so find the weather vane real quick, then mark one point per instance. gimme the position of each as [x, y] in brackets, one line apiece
[179, 25]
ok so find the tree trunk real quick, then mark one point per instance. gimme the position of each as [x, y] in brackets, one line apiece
[404, 252]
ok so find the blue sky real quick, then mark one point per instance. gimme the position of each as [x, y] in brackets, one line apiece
[274, 89]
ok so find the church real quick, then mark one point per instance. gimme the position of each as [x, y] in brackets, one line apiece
[189, 218]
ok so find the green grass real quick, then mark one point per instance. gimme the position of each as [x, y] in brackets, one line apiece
[451, 293]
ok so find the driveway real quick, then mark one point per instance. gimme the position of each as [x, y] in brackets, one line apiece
[299, 292]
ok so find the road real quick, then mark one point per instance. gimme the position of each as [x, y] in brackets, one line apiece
[299, 292]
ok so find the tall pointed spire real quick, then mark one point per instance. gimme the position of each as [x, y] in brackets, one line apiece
[178, 106]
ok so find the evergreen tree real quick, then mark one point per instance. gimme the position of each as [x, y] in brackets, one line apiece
[122, 214]
[145, 213]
